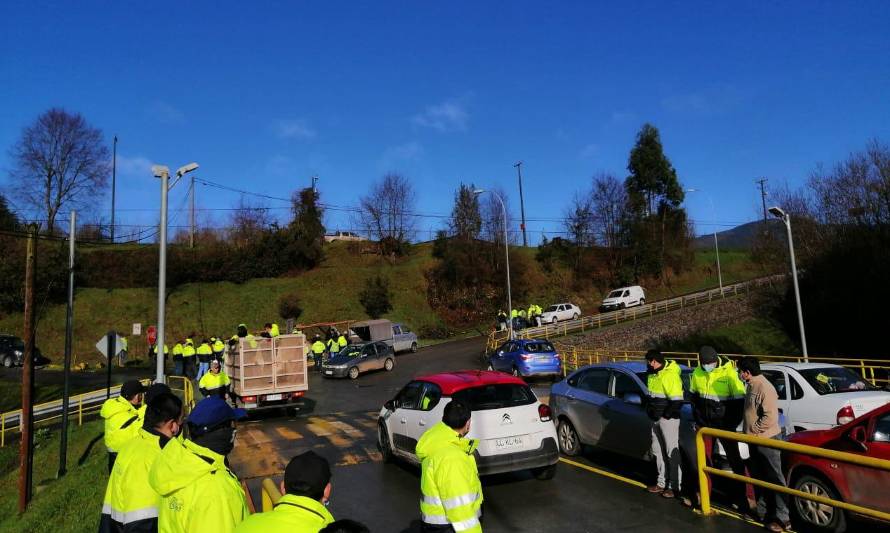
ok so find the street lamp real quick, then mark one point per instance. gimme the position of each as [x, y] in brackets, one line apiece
[716, 248]
[163, 172]
[786, 219]
[477, 192]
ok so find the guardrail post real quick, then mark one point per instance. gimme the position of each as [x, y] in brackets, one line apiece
[704, 488]
[575, 355]
[80, 410]
[2, 430]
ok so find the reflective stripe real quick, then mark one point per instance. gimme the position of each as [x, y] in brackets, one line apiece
[677, 398]
[129, 516]
[656, 395]
[438, 519]
[466, 524]
[451, 503]
[715, 397]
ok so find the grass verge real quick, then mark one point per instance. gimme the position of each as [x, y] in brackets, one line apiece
[754, 336]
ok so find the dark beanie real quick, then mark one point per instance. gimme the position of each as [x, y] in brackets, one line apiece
[307, 475]
[132, 388]
[154, 390]
[707, 355]
[655, 355]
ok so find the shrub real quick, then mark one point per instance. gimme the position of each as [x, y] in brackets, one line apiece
[289, 306]
[375, 297]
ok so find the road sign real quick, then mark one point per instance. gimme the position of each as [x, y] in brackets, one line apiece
[137, 329]
[102, 345]
[152, 334]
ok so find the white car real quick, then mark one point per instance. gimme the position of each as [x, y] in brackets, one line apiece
[513, 428]
[623, 298]
[821, 395]
[563, 311]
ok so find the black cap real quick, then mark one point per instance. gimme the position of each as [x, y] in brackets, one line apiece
[307, 475]
[655, 355]
[154, 390]
[707, 355]
[132, 388]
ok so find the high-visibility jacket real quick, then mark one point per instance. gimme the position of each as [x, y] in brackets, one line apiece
[219, 346]
[129, 504]
[210, 383]
[718, 396]
[522, 313]
[665, 392]
[198, 492]
[318, 347]
[154, 349]
[177, 351]
[341, 340]
[333, 346]
[188, 350]
[121, 422]
[204, 352]
[514, 313]
[291, 514]
[531, 310]
[274, 331]
[451, 493]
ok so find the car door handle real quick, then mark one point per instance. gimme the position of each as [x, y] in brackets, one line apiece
[404, 421]
[422, 422]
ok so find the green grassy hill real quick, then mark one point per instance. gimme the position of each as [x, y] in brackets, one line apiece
[328, 293]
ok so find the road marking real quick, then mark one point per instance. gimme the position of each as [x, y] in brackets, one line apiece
[603, 473]
[288, 433]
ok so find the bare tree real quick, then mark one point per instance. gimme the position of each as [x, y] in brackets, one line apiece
[609, 199]
[248, 222]
[386, 212]
[60, 160]
[579, 225]
[493, 217]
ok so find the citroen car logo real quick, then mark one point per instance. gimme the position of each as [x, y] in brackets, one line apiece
[506, 419]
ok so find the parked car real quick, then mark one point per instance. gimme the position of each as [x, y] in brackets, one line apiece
[623, 298]
[867, 435]
[357, 358]
[563, 311]
[513, 428]
[403, 339]
[526, 357]
[343, 236]
[821, 395]
[12, 352]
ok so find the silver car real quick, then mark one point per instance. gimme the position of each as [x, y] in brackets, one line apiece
[355, 359]
[403, 339]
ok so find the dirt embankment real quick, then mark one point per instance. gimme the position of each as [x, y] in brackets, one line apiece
[645, 333]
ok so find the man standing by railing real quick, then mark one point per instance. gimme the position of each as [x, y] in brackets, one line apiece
[663, 407]
[762, 420]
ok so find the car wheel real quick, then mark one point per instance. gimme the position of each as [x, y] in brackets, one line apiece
[544, 473]
[413, 347]
[515, 372]
[642, 301]
[817, 515]
[7, 362]
[576, 316]
[569, 442]
[383, 443]
[622, 306]
[353, 372]
[554, 321]
[387, 365]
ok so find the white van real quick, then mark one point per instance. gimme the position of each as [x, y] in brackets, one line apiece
[624, 297]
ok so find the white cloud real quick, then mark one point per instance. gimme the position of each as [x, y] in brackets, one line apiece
[295, 129]
[165, 113]
[138, 166]
[450, 115]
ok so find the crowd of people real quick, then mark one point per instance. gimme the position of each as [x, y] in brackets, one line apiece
[520, 317]
[723, 396]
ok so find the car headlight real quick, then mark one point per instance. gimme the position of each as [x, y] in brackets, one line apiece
[18, 353]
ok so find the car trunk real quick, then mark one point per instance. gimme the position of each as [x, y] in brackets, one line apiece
[505, 418]
[869, 401]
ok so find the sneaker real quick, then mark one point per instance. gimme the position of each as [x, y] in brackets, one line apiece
[655, 489]
[668, 493]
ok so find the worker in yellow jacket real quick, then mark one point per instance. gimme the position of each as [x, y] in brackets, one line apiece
[306, 489]
[198, 492]
[451, 493]
[121, 416]
[215, 382]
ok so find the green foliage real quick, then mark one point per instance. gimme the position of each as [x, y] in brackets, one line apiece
[289, 306]
[653, 180]
[757, 336]
[466, 217]
[375, 297]
[8, 220]
[305, 234]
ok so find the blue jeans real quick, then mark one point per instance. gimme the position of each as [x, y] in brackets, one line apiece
[177, 366]
[203, 368]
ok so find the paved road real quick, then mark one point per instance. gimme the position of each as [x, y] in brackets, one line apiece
[339, 422]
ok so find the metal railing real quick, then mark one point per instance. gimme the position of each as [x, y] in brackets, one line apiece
[270, 495]
[704, 470]
[591, 322]
[85, 405]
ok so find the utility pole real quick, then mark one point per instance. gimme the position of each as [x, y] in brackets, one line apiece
[521, 203]
[315, 185]
[762, 182]
[113, 183]
[69, 330]
[192, 216]
[26, 421]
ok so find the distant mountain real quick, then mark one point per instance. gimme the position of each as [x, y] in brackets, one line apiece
[737, 238]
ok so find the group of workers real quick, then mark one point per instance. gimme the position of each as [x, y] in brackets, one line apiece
[521, 317]
[723, 395]
[333, 343]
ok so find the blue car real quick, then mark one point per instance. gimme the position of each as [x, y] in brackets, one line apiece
[526, 357]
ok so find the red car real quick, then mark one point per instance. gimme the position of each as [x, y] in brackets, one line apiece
[869, 487]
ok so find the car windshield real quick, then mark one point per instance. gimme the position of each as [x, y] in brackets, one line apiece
[551, 309]
[351, 351]
[541, 346]
[830, 380]
[614, 294]
[496, 396]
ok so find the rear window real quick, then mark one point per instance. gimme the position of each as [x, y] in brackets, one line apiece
[542, 346]
[496, 396]
[831, 380]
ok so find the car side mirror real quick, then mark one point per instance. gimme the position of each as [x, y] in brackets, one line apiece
[500, 352]
[857, 435]
[390, 405]
[633, 398]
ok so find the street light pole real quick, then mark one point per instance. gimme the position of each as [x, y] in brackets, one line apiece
[506, 254]
[521, 202]
[786, 219]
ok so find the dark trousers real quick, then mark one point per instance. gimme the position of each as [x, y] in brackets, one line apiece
[735, 491]
[766, 465]
[177, 365]
[436, 528]
[189, 364]
[112, 457]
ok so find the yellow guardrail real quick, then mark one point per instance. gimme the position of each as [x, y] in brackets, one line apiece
[704, 470]
[270, 495]
[185, 390]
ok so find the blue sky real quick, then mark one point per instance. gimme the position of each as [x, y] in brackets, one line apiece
[266, 94]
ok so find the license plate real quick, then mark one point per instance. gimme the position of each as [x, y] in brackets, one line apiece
[508, 442]
[329, 372]
[544, 359]
[273, 397]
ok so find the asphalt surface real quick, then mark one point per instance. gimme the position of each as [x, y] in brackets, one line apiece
[339, 422]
